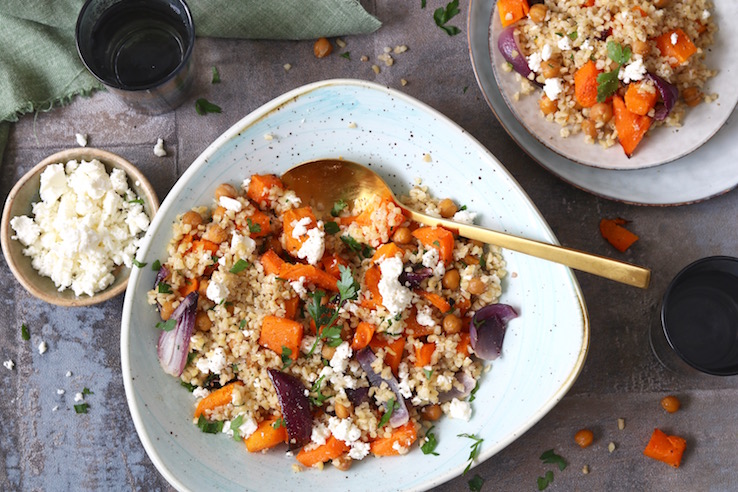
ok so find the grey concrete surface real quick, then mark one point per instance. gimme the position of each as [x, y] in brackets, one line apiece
[46, 449]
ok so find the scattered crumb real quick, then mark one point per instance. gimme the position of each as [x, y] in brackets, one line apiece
[514, 274]
[56, 407]
[364, 58]
[159, 148]
[9, 365]
[60, 391]
[68, 374]
[375, 68]
[403, 82]
[585, 469]
[286, 67]
[296, 468]
[621, 424]
[352, 125]
[42, 347]
[268, 136]
[81, 139]
[386, 58]
[427, 158]
[399, 49]
[611, 447]
[340, 42]
[387, 49]
[79, 397]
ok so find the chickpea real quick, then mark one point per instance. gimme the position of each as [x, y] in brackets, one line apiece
[327, 352]
[166, 310]
[343, 411]
[476, 286]
[451, 279]
[322, 48]
[202, 321]
[551, 68]
[547, 105]
[451, 324]
[584, 438]
[661, 3]
[203, 288]
[589, 128]
[671, 403]
[447, 208]
[192, 219]
[215, 234]
[537, 13]
[600, 112]
[218, 213]
[225, 189]
[431, 412]
[471, 260]
[402, 235]
[692, 96]
[640, 47]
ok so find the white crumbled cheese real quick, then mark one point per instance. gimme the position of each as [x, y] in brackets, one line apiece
[359, 450]
[306, 344]
[214, 363]
[268, 136]
[9, 365]
[56, 407]
[299, 286]
[399, 448]
[242, 245]
[706, 14]
[68, 374]
[564, 43]
[299, 227]
[344, 430]
[553, 88]
[79, 397]
[217, 290]
[395, 297]
[229, 203]
[404, 385]
[159, 148]
[247, 427]
[424, 317]
[340, 359]
[586, 45]
[430, 258]
[42, 347]
[86, 225]
[674, 38]
[200, 392]
[459, 410]
[534, 61]
[465, 216]
[81, 139]
[633, 71]
[245, 184]
[320, 433]
[546, 52]
[60, 391]
[290, 198]
[313, 247]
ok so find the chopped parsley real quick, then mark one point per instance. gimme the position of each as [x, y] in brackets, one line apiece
[216, 76]
[81, 408]
[25, 334]
[86, 391]
[286, 357]
[278, 423]
[473, 394]
[156, 266]
[253, 228]
[560, 34]
[325, 316]
[551, 458]
[203, 107]
[239, 266]
[429, 446]
[363, 250]
[476, 483]
[466, 88]
[137, 200]
[138, 263]
[320, 398]
[428, 373]
[234, 368]
[190, 357]
[387, 414]
[346, 55]
[164, 288]
[476, 447]
[235, 424]
[422, 4]
[242, 324]
[482, 262]
[607, 82]
[338, 207]
[209, 427]
[443, 15]
[190, 387]
[167, 325]
[331, 227]
[545, 480]
[573, 35]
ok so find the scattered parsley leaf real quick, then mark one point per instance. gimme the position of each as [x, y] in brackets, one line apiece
[286, 359]
[482, 262]
[331, 227]
[190, 357]
[278, 423]
[167, 325]
[437, 243]
[617, 53]
[338, 207]
[466, 88]
[428, 373]
[203, 107]
[463, 207]
[253, 227]
[190, 387]
[320, 398]
[235, 424]
[560, 34]
[443, 15]
[239, 266]
[164, 288]
[25, 334]
[86, 391]
[234, 368]
[209, 427]
[216, 76]
[475, 484]
[422, 4]
[81, 408]
[325, 316]
[138, 263]
[355, 246]
[137, 200]
[607, 82]
[545, 480]
[387, 414]
[348, 288]
[551, 458]
[476, 447]
[242, 324]
[473, 394]
[429, 446]
[346, 55]
[573, 35]
[156, 266]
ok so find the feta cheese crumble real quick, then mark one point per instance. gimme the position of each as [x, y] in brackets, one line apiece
[9, 365]
[81, 139]
[459, 410]
[159, 148]
[553, 88]
[395, 297]
[674, 38]
[633, 71]
[534, 61]
[42, 347]
[79, 397]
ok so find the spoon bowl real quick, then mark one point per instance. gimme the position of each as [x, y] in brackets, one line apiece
[323, 182]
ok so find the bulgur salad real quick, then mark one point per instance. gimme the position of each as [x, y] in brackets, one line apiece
[336, 339]
[610, 69]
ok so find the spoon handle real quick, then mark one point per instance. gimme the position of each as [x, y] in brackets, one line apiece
[587, 262]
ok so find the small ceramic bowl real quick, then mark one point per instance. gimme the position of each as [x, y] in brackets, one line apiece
[26, 192]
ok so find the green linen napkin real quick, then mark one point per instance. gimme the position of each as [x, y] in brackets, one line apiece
[40, 69]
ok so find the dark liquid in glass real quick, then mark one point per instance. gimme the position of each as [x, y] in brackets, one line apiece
[701, 320]
[137, 46]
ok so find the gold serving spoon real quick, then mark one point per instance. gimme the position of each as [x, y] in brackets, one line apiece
[321, 183]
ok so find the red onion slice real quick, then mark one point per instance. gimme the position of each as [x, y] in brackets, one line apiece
[295, 407]
[511, 52]
[465, 379]
[669, 95]
[400, 415]
[174, 345]
[488, 328]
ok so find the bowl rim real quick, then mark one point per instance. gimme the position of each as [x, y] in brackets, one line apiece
[109, 160]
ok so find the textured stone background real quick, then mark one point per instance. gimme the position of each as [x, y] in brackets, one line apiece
[45, 450]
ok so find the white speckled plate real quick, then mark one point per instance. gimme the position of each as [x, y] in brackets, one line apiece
[662, 145]
[544, 350]
[706, 172]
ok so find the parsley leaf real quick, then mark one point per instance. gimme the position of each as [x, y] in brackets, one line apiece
[25, 334]
[428, 373]
[355, 246]
[545, 480]
[473, 394]
[235, 424]
[86, 391]
[320, 398]
[164, 288]
[156, 266]
[476, 447]
[573, 35]
[443, 15]
[348, 288]
[253, 227]
[242, 324]
[346, 55]
[209, 427]
[203, 107]
[138, 263]
[81, 408]
[325, 316]
[190, 387]
[387, 414]
[551, 458]
[331, 227]
[422, 4]
[216, 76]
[338, 207]
[239, 266]
[286, 359]
[607, 82]
[278, 423]
[429, 446]
[475, 484]
[137, 200]
[167, 325]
